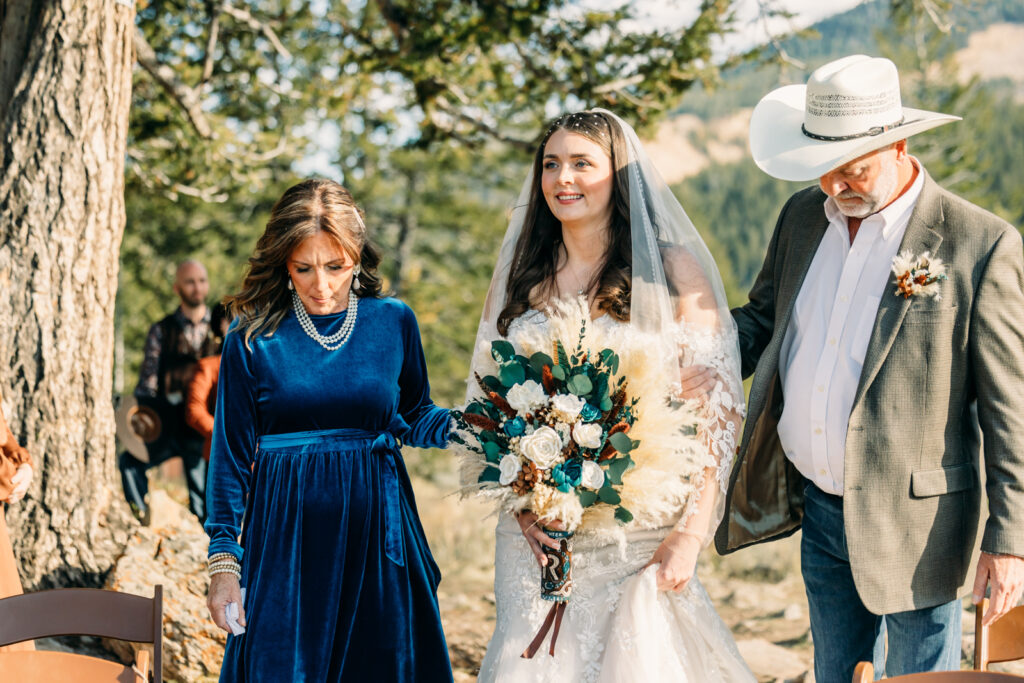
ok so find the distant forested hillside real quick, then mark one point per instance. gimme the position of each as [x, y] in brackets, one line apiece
[735, 205]
[853, 32]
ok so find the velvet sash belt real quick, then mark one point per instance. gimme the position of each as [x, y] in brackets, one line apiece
[383, 444]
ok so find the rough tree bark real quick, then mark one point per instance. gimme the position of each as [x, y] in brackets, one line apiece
[65, 90]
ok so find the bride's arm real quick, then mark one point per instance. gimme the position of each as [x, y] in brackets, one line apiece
[705, 339]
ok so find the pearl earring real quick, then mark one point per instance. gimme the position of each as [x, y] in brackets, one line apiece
[290, 285]
[355, 276]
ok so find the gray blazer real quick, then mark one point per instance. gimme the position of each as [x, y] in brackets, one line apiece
[912, 487]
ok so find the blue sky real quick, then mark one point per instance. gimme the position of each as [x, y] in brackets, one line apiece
[751, 30]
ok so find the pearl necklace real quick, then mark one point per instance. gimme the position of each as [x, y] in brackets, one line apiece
[337, 340]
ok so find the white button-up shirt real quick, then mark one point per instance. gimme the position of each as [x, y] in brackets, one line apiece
[823, 350]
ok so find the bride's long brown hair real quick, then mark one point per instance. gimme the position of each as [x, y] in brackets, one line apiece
[312, 206]
[535, 259]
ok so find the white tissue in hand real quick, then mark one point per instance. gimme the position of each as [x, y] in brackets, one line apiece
[231, 613]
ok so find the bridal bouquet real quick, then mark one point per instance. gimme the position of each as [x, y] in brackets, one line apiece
[551, 424]
[577, 420]
[553, 434]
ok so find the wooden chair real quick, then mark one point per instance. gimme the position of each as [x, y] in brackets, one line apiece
[1003, 641]
[865, 673]
[81, 611]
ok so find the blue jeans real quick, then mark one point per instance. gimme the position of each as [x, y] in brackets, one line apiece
[843, 630]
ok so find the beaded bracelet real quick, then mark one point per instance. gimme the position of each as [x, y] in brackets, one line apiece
[235, 571]
[231, 562]
[224, 563]
[216, 557]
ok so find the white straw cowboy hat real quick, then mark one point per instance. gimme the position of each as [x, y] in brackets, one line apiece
[848, 108]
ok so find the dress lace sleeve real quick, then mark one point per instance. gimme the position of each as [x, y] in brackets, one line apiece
[721, 413]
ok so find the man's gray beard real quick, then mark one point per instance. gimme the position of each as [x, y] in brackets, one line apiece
[885, 188]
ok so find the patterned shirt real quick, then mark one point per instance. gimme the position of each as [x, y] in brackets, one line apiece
[195, 334]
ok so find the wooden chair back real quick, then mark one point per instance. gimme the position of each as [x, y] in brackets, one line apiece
[88, 612]
[1003, 641]
[865, 673]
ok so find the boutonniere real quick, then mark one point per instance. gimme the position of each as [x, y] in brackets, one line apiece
[918, 274]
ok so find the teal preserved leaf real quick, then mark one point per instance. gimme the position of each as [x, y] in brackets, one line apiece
[512, 374]
[502, 351]
[609, 495]
[563, 359]
[617, 468]
[492, 450]
[620, 442]
[539, 360]
[580, 385]
[489, 474]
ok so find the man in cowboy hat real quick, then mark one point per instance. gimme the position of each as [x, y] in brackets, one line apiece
[886, 337]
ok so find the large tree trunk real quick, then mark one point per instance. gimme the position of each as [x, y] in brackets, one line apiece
[65, 90]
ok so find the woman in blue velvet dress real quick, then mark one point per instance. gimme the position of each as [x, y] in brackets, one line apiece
[320, 383]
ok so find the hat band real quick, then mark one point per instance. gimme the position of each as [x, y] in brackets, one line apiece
[870, 132]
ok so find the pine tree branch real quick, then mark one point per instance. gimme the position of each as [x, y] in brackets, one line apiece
[765, 13]
[257, 25]
[476, 124]
[186, 97]
[211, 40]
[617, 86]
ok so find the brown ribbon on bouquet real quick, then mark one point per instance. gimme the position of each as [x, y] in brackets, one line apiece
[556, 586]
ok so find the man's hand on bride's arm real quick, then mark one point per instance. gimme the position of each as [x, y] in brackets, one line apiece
[535, 536]
[697, 381]
[677, 557]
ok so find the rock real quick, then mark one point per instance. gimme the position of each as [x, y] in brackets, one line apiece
[793, 613]
[769, 661]
[172, 552]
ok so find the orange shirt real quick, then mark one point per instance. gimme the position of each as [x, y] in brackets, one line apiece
[202, 398]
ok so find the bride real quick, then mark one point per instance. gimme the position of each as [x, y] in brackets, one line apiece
[595, 223]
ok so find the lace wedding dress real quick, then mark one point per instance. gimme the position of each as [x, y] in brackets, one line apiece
[618, 627]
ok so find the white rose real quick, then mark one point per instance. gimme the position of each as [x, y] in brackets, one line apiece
[587, 435]
[567, 406]
[543, 447]
[593, 475]
[509, 468]
[526, 397]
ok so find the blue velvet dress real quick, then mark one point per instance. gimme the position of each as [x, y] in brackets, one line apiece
[340, 584]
